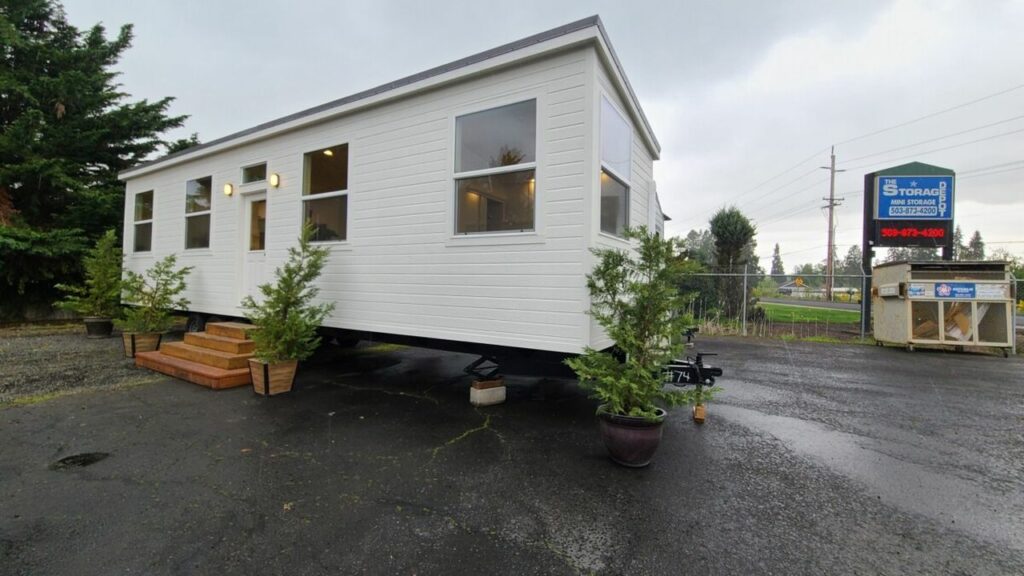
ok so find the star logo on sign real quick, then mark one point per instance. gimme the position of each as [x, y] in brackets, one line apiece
[913, 183]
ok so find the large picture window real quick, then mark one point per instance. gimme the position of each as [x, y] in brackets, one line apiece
[616, 147]
[198, 201]
[143, 234]
[495, 169]
[325, 193]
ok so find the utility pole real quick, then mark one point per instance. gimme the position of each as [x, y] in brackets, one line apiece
[832, 203]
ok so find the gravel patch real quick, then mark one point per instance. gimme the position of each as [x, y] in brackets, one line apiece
[60, 360]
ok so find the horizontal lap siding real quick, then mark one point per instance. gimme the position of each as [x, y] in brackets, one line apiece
[402, 270]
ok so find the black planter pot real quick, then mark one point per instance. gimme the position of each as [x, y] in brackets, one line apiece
[630, 440]
[98, 327]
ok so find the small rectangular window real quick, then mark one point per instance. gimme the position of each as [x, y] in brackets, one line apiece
[614, 205]
[325, 193]
[254, 173]
[495, 169]
[143, 233]
[198, 201]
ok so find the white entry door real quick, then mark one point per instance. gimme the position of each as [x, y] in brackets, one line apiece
[254, 255]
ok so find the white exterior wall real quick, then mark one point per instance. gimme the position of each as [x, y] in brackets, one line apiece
[641, 182]
[402, 269]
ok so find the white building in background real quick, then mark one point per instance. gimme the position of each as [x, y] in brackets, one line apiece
[459, 204]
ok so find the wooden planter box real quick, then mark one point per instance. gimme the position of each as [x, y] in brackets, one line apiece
[271, 379]
[135, 342]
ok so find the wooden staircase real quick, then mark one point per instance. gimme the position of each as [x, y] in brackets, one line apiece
[217, 358]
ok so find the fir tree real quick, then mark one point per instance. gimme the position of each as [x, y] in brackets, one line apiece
[66, 130]
[778, 269]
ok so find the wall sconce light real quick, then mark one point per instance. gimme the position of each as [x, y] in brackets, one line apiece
[275, 180]
[228, 189]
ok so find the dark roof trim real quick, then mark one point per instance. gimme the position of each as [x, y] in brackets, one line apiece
[554, 33]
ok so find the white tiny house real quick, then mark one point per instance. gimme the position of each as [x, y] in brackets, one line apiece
[459, 204]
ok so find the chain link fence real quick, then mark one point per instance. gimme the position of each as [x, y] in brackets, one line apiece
[746, 302]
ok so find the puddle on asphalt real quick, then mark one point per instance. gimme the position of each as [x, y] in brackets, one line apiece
[79, 460]
[951, 501]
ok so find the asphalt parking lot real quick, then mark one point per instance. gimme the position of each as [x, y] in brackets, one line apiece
[817, 458]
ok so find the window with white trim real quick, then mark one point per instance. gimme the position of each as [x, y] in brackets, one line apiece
[495, 169]
[616, 148]
[325, 193]
[143, 232]
[198, 204]
[254, 173]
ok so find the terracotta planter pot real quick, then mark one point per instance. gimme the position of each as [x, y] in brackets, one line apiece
[630, 440]
[271, 379]
[135, 342]
[97, 327]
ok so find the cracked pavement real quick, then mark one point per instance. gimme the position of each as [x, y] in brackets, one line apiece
[816, 458]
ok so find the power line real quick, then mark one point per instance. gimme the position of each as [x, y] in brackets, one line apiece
[932, 115]
[783, 173]
[960, 133]
[783, 215]
[983, 168]
[916, 154]
[773, 190]
[992, 173]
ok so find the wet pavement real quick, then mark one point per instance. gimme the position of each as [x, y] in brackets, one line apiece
[816, 458]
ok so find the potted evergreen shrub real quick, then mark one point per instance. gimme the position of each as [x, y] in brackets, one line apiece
[153, 297]
[286, 318]
[635, 298]
[99, 300]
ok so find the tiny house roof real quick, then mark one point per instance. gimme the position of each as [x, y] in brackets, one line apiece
[582, 32]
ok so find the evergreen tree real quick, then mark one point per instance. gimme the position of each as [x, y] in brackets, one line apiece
[850, 266]
[975, 248]
[958, 244]
[778, 269]
[700, 246]
[66, 130]
[733, 234]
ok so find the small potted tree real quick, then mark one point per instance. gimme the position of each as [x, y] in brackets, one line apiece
[153, 297]
[635, 298]
[99, 300]
[286, 318]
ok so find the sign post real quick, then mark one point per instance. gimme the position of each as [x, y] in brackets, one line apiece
[905, 206]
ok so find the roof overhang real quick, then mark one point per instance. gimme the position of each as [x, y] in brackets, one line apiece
[588, 31]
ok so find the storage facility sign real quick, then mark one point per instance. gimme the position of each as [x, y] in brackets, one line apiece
[955, 290]
[910, 206]
[914, 198]
[959, 290]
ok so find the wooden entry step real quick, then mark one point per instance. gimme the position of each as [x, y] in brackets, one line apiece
[194, 372]
[207, 356]
[217, 358]
[221, 343]
[237, 330]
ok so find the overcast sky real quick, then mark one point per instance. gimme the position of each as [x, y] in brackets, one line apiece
[745, 97]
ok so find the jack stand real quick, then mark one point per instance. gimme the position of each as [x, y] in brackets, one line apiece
[488, 386]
